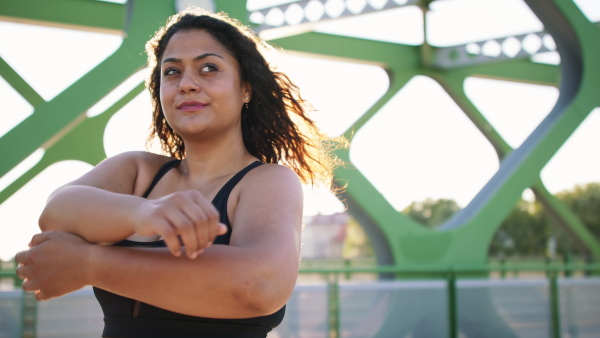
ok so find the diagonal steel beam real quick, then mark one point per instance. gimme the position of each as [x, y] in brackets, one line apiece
[52, 120]
[494, 50]
[314, 11]
[90, 15]
[20, 85]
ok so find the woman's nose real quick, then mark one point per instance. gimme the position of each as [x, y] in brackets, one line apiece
[188, 84]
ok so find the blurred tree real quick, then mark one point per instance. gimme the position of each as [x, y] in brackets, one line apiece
[525, 232]
[430, 212]
[529, 231]
[584, 201]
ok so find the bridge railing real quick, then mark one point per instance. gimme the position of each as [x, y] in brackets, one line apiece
[549, 300]
[553, 284]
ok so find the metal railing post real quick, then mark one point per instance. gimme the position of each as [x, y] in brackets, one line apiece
[28, 315]
[334, 306]
[452, 305]
[347, 266]
[554, 304]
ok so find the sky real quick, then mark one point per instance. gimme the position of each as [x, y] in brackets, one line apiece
[420, 145]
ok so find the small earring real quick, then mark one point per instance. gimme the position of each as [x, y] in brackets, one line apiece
[247, 102]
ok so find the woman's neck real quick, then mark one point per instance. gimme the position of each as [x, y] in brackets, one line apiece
[208, 161]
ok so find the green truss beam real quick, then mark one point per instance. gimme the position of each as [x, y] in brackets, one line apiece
[83, 14]
[61, 128]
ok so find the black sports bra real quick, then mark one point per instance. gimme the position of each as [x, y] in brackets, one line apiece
[125, 317]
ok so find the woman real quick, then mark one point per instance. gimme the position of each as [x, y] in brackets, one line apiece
[204, 242]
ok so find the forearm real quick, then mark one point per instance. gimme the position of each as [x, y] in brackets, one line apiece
[223, 282]
[97, 215]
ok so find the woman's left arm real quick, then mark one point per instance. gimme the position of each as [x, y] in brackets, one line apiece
[253, 276]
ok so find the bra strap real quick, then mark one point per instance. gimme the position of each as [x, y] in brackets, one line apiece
[220, 200]
[161, 172]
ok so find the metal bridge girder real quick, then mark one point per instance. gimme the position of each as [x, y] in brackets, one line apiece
[398, 239]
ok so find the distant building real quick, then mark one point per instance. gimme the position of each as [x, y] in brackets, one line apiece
[323, 235]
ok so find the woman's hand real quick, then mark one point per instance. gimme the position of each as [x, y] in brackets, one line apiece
[56, 263]
[183, 218]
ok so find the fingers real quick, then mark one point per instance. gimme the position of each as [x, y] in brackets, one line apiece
[22, 271]
[171, 238]
[40, 295]
[196, 225]
[40, 238]
[185, 219]
[184, 229]
[207, 224]
[30, 285]
[21, 257]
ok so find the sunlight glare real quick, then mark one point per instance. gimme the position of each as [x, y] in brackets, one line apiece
[20, 212]
[421, 145]
[71, 54]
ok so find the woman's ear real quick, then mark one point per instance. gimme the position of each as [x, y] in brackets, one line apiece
[247, 91]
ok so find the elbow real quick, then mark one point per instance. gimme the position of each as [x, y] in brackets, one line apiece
[52, 218]
[267, 296]
[264, 303]
[46, 220]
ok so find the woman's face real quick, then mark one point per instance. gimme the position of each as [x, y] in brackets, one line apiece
[201, 91]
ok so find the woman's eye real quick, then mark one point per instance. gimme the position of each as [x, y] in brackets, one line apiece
[208, 68]
[170, 71]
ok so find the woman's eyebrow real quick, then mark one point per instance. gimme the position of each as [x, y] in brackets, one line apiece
[197, 58]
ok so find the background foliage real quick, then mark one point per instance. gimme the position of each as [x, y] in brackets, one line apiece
[528, 232]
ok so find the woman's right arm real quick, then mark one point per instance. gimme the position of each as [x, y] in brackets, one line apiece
[105, 206]
[99, 205]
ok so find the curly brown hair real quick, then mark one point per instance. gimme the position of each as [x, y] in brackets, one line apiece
[276, 127]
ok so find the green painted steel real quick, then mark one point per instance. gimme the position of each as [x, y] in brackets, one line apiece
[85, 14]
[19, 85]
[61, 128]
[333, 302]
[28, 315]
[554, 305]
[466, 237]
[56, 122]
[70, 135]
[452, 305]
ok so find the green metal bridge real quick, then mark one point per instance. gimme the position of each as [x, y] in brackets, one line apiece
[61, 128]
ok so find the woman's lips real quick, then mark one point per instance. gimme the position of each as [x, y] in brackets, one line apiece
[191, 106]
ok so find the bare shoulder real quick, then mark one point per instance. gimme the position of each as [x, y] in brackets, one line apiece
[271, 178]
[122, 173]
[135, 158]
[132, 162]
[272, 186]
[273, 174]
